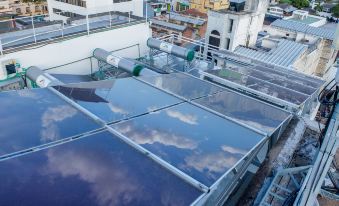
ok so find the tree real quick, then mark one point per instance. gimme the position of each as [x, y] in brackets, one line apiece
[318, 7]
[335, 11]
[300, 3]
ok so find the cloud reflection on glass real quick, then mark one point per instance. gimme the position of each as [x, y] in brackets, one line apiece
[201, 144]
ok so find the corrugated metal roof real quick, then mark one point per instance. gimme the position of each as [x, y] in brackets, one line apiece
[304, 28]
[284, 54]
[168, 25]
[186, 19]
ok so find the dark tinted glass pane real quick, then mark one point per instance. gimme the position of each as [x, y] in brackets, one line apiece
[182, 85]
[197, 142]
[261, 86]
[113, 100]
[34, 117]
[246, 110]
[293, 76]
[71, 78]
[95, 170]
[275, 79]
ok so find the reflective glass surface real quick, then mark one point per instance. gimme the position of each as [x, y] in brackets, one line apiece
[199, 143]
[182, 85]
[95, 170]
[34, 117]
[71, 78]
[293, 76]
[114, 100]
[275, 79]
[246, 110]
[261, 86]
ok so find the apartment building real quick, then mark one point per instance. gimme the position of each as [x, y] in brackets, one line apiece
[19, 8]
[4, 6]
[205, 5]
[62, 9]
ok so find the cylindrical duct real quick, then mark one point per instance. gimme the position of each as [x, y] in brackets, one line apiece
[122, 63]
[41, 78]
[169, 48]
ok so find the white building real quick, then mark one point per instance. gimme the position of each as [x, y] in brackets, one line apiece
[61, 9]
[281, 10]
[239, 25]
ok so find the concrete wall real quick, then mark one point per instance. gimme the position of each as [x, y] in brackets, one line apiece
[308, 62]
[78, 48]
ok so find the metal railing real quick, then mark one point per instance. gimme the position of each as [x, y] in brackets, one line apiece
[25, 32]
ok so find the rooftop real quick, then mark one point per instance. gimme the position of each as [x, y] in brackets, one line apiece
[187, 19]
[284, 54]
[306, 20]
[304, 28]
[167, 25]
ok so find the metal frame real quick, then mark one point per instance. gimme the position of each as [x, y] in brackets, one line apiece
[139, 148]
[283, 103]
[219, 195]
[279, 191]
[51, 144]
[206, 108]
[87, 31]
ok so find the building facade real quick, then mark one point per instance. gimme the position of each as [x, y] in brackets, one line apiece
[62, 9]
[18, 8]
[228, 29]
[205, 5]
[319, 41]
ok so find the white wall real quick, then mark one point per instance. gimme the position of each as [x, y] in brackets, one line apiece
[81, 47]
[245, 28]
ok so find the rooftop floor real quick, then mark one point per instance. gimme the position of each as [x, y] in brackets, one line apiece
[308, 20]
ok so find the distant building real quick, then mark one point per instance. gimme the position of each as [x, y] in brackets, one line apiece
[205, 5]
[4, 7]
[178, 24]
[180, 5]
[304, 17]
[280, 52]
[63, 9]
[163, 27]
[328, 8]
[281, 10]
[18, 8]
[319, 41]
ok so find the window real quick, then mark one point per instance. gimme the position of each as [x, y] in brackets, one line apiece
[215, 32]
[230, 28]
[227, 46]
